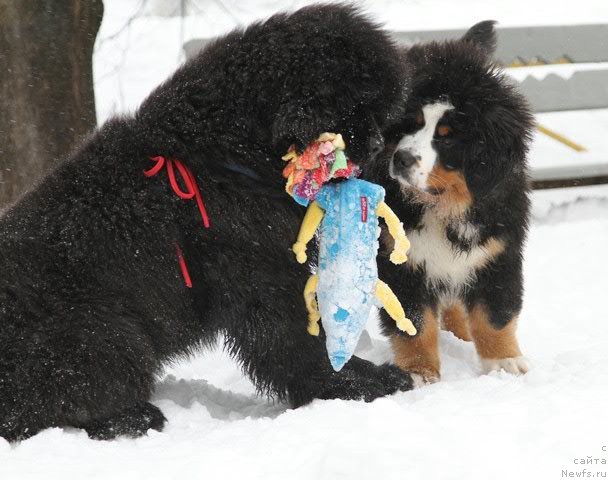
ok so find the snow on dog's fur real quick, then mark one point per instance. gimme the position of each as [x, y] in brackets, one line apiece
[455, 173]
[92, 300]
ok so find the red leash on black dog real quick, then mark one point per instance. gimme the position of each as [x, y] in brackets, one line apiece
[192, 191]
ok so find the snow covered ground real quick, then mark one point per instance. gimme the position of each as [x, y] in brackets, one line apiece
[467, 426]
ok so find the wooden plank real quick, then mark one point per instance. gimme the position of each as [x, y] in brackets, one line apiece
[583, 90]
[192, 47]
[586, 170]
[569, 182]
[580, 43]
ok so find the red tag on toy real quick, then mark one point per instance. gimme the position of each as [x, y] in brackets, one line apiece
[364, 209]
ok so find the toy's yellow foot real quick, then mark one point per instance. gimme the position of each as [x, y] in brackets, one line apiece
[299, 248]
[313, 326]
[405, 325]
[391, 304]
[397, 258]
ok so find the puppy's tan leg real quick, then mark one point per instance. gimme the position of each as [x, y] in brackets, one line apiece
[419, 354]
[454, 318]
[497, 347]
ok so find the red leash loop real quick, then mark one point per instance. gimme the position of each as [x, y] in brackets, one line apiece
[192, 191]
[183, 266]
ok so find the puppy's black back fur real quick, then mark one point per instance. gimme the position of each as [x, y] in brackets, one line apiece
[92, 300]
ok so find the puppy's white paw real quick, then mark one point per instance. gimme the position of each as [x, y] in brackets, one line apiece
[514, 365]
[421, 380]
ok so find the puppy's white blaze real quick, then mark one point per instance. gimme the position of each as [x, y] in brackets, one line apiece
[420, 144]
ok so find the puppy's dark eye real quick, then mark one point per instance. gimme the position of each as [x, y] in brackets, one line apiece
[419, 118]
[449, 166]
[444, 130]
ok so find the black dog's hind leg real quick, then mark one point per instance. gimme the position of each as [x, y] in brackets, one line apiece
[117, 402]
[99, 378]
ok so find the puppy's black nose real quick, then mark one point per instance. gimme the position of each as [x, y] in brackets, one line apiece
[403, 159]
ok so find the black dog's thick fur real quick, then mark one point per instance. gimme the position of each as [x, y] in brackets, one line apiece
[480, 201]
[92, 300]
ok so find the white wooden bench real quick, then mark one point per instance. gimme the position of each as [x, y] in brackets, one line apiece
[563, 71]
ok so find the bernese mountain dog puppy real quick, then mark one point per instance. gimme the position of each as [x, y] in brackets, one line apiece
[454, 168]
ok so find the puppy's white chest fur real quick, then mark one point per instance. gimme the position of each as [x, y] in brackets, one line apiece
[443, 262]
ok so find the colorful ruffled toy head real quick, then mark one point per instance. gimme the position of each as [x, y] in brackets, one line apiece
[322, 161]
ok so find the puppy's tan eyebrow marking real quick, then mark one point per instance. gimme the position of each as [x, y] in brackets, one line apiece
[444, 130]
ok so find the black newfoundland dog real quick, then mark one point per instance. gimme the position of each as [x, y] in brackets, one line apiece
[108, 273]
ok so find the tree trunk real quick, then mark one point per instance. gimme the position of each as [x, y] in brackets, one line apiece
[47, 102]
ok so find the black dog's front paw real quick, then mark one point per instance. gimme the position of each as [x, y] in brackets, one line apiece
[348, 384]
[358, 380]
[392, 378]
[132, 422]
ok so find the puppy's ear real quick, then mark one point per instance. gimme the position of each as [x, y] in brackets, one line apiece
[483, 35]
[484, 174]
[500, 149]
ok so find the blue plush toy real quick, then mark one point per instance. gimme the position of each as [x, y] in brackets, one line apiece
[346, 285]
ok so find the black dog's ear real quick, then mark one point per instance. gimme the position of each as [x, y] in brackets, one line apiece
[483, 35]
[294, 125]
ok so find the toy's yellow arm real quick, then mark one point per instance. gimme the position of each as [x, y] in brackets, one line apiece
[309, 226]
[395, 228]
